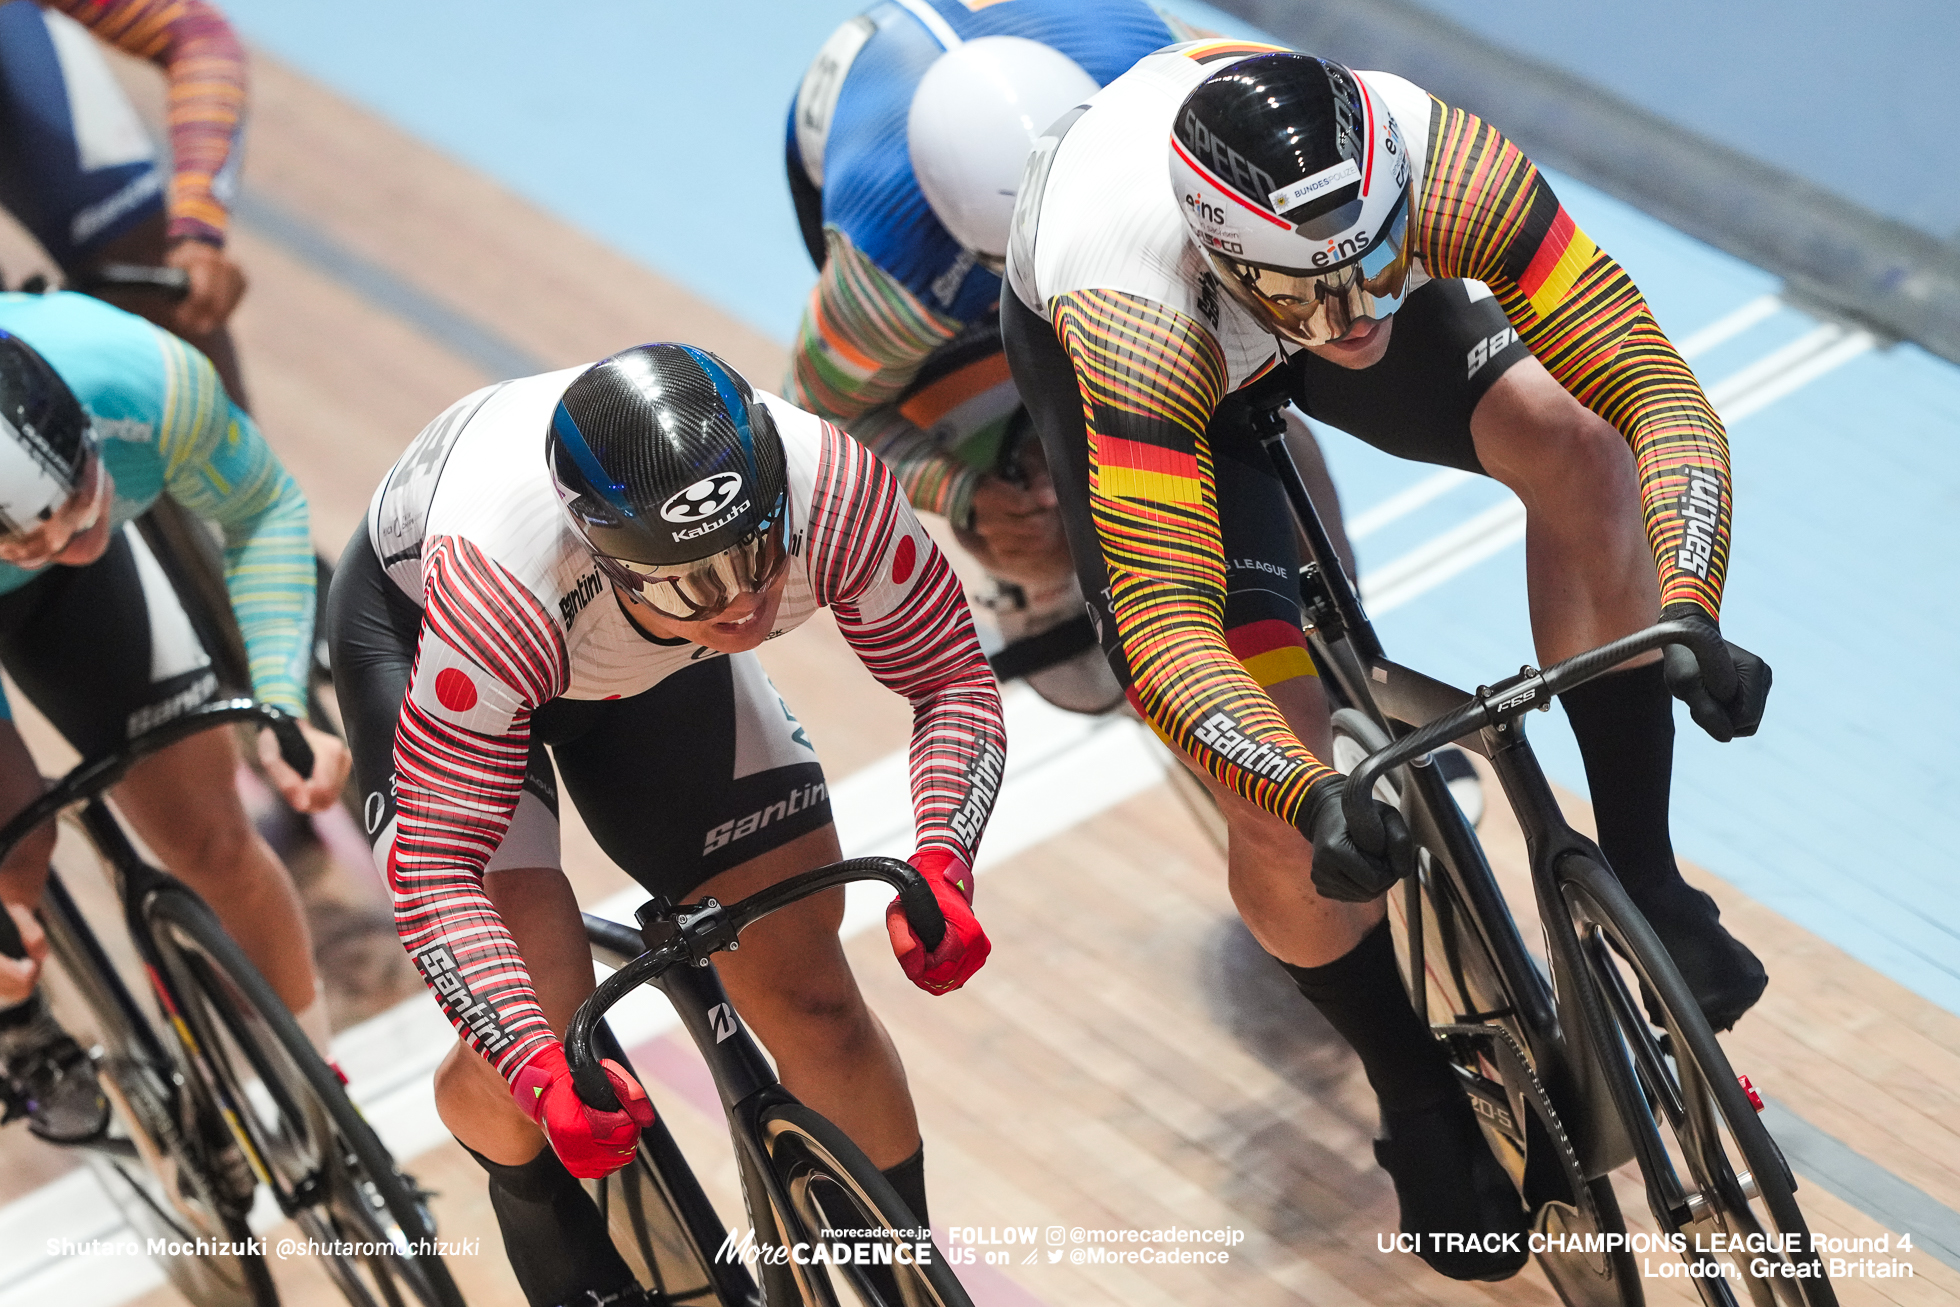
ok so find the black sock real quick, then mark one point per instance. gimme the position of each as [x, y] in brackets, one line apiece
[1361, 995]
[15, 1015]
[559, 1248]
[909, 1178]
[1625, 727]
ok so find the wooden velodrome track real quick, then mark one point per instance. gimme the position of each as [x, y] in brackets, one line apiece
[1127, 1059]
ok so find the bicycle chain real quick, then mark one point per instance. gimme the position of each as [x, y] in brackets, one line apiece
[1529, 1086]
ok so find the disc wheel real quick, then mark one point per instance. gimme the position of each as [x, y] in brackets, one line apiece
[831, 1186]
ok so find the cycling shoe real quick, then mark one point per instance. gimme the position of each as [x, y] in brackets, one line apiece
[50, 1078]
[1723, 975]
[1457, 1201]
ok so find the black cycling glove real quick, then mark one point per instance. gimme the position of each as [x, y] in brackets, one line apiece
[1342, 869]
[1725, 717]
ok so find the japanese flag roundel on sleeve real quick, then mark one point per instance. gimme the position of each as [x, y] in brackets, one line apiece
[452, 688]
[899, 567]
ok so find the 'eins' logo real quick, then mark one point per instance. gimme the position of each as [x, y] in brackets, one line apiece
[703, 499]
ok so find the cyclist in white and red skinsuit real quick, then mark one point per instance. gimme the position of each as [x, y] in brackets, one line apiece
[478, 568]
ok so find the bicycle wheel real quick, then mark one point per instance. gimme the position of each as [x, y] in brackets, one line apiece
[1469, 1007]
[170, 1180]
[832, 1186]
[288, 1111]
[1716, 1176]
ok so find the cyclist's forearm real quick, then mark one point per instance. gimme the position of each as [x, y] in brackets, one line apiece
[1587, 322]
[928, 652]
[934, 481]
[862, 338]
[270, 576]
[205, 63]
[451, 930]
[218, 466]
[1157, 377]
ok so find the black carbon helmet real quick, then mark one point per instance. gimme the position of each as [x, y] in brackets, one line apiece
[1294, 180]
[46, 438]
[662, 455]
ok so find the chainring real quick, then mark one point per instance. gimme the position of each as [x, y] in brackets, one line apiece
[1581, 1278]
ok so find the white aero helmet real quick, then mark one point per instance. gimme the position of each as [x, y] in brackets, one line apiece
[977, 112]
[1294, 181]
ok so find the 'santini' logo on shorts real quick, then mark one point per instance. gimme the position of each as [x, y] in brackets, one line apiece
[801, 799]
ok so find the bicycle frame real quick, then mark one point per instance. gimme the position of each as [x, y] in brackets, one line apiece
[1564, 1025]
[680, 943]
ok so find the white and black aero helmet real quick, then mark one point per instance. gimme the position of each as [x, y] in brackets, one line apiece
[1294, 181]
[46, 438]
[674, 475]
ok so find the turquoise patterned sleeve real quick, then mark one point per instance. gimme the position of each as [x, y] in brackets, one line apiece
[217, 465]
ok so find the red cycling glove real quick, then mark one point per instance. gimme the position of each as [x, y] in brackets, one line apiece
[592, 1144]
[965, 946]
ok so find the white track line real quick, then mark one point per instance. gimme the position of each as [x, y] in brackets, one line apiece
[1729, 326]
[1435, 561]
[1735, 397]
[1063, 769]
[1404, 502]
[1835, 353]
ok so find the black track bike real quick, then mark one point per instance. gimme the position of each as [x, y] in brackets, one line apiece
[824, 1224]
[216, 1094]
[1595, 1057]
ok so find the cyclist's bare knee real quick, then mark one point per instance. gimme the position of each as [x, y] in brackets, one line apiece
[474, 1102]
[1532, 435]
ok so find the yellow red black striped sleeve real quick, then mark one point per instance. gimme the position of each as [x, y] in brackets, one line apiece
[1486, 213]
[1150, 380]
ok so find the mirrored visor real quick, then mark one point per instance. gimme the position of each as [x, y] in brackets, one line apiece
[697, 591]
[1318, 308]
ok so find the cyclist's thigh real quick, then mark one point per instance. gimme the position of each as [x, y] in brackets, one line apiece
[105, 651]
[372, 632]
[1256, 526]
[704, 772]
[1449, 345]
[77, 166]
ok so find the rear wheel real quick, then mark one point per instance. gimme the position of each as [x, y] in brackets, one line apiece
[291, 1117]
[1464, 997]
[1711, 1168]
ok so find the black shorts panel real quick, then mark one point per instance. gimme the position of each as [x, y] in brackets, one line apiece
[701, 773]
[1445, 351]
[105, 651]
[72, 211]
[1256, 527]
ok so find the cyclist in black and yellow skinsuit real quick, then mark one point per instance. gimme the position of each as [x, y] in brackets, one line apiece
[1305, 203]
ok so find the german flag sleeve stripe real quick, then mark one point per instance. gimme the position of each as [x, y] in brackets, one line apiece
[1150, 380]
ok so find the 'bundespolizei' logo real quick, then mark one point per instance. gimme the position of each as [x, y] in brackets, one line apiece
[703, 499]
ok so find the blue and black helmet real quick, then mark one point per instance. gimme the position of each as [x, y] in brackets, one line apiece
[662, 455]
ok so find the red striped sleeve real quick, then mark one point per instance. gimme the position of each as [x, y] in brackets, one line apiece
[489, 654]
[902, 609]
